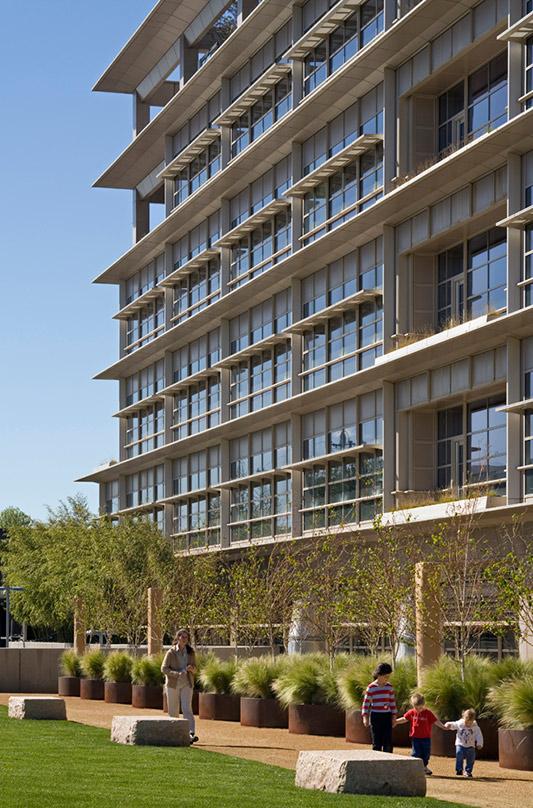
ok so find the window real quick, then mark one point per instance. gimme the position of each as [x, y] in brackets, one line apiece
[201, 168]
[528, 264]
[196, 291]
[450, 448]
[339, 427]
[196, 472]
[483, 288]
[354, 188]
[145, 430]
[342, 345]
[145, 487]
[528, 78]
[199, 355]
[269, 186]
[201, 238]
[196, 408]
[148, 277]
[260, 380]
[260, 509]
[261, 321]
[196, 522]
[111, 497]
[271, 107]
[145, 325]
[224, 25]
[145, 383]
[265, 246]
[261, 451]
[344, 42]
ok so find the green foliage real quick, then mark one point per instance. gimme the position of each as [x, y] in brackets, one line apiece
[147, 671]
[512, 701]
[92, 664]
[255, 677]
[202, 658]
[217, 676]
[358, 674]
[70, 663]
[13, 517]
[309, 679]
[117, 667]
[508, 668]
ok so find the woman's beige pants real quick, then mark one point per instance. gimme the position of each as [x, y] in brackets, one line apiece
[181, 695]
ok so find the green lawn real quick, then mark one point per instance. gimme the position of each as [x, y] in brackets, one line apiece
[56, 764]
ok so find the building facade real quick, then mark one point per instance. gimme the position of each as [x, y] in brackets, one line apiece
[330, 316]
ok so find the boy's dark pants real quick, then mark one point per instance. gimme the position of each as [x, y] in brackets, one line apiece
[381, 730]
[421, 748]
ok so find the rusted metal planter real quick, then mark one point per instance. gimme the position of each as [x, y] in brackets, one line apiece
[117, 692]
[220, 707]
[263, 713]
[443, 741]
[516, 749]
[316, 719]
[92, 689]
[68, 685]
[147, 696]
[356, 732]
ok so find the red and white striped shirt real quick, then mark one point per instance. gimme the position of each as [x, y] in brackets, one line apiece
[379, 699]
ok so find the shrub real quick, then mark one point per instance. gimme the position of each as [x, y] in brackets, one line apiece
[444, 690]
[309, 679]
[202, 658]
[92, 664]
[217, 676]
[512, 701]
[508, 668]
[117, 667]
[147, 671]
[358, 674]
[254, 678]
[70, 663]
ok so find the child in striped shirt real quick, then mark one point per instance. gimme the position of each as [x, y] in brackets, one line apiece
[379, 708]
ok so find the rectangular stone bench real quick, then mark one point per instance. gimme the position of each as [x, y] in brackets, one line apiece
[361, 772]
[150, 731]
[37, 708]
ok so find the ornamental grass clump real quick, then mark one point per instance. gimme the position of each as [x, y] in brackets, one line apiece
[359, 672]
[202, 658]
[147, 671]
[70, 664]
[512, 702]
[254, 678]
[309, 679]
[92, 664]
[118, 667]
[217, 676]
[444, 689]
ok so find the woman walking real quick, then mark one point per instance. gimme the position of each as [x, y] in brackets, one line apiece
[179, 667]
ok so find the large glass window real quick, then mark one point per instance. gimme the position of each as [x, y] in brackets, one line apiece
[259, 250]
[196, 408]
[271, 107]
[261, 451]
[196, 291]
[260, 509]
[196, 522]
[145, 430]
[337, 428]
[204, 166]
[260, 380]
[147, 278]
[145, 383]
[528, 78]
[344, 42]
[145, 325]
[145, 487]
[528, 265]
[199, 355]
[354, 188]
[111, 497]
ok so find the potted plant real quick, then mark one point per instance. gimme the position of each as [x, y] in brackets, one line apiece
[253, 681]
[217, 701]
[92, 683]
[353, 681]
[147, 683]
[117, 678]
[448, 695]
[512, 701]
[68, 683]
[308, 688]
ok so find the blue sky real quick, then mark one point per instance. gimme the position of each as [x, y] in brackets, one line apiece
[56, 234]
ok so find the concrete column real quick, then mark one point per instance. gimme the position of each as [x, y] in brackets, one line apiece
[141, 114]
[224, 394]
[428, 624]
[122, 428]
[80, 641]
[224, 494]
[514, 78]
[514, 236]
[188, 59]
[154, 629]
[389, 288]
[244, 8]
[296, 363]
[389, 144]
[141, 217]
[525, 642]
[514, 422]
[122, 329]
[389, 446]
[297, 22]
[168, 519]
[296, 475]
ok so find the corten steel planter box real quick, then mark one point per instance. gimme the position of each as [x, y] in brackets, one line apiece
[92, 689]
[443, 741]
[147, 696]
[516, 749]
[68, 685]
[356, 732]
[263, 713]
[117, 692]
[195, 694]
[316, 719]
[220, 707]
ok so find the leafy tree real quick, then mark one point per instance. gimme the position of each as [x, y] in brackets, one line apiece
[13, 517]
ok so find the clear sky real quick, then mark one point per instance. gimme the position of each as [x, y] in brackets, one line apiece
[56, 234]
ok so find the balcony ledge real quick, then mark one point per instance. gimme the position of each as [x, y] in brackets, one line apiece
[519, 31]
[362, 296]
[256, 90]
[323, 27]
[251, 222]
[188, 154]
[518, 220]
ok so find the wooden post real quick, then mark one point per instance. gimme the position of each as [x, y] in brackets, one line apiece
[155, 636]
[80, 638]
[428, 623]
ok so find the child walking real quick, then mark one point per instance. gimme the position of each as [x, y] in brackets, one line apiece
[469, 738]
[379, 708]
[421, 722]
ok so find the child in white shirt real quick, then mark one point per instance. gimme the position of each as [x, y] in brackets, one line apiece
[469, 738]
